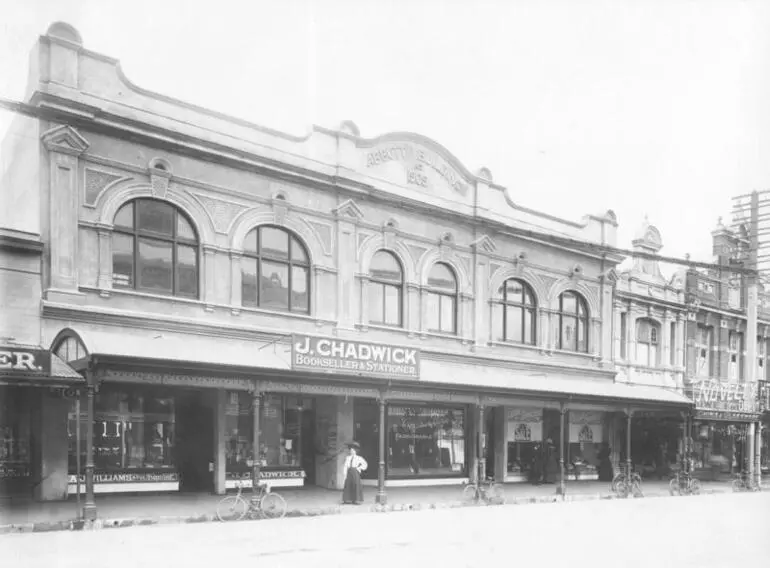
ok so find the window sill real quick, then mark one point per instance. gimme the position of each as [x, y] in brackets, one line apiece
[235, 310]
[509, 344]
[390, 328]
[439, 335]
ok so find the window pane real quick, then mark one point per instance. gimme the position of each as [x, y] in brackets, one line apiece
[298, 252]
[187, 270]
[582, 335]
[442, 278]
[155, 216]
[300, 299]
[642, 353]
[514, 291]
[155, 265]
[513, 322]
[376, 302]
[122, 261]
[529, 327]
[274, 242]
[125, 216]
[426, 441]
[433, 314]
[385, 267]
[529, 299]
[568, 333]
[274, 285]
[582, 311]
[569, 303]
[448, 314]
[183, 228]
[392, 305]
[250, 242]
[249, 282]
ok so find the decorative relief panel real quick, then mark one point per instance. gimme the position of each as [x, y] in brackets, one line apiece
[97, 181]
[416, 251]
[324, 234]
[222, 212]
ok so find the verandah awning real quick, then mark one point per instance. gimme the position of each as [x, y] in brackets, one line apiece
[23, 365]
[228, 352]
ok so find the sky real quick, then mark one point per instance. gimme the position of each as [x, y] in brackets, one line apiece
[645, 107]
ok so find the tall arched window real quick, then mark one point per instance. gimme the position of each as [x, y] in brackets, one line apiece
[647, 342]
[275, 271]
[442, 299]
[519, 312]
[573, 322]
[386, 287]
[154, 249]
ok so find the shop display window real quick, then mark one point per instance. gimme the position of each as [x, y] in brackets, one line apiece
[521, 457]
[426, 441]
[585, 444]
[14, 434]
[524, 436]
[133, 429]
[280, 431]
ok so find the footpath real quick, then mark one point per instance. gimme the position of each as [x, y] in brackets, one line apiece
[137, 510]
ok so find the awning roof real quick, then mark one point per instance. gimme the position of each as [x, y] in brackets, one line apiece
[500, 378]
[231, 352]
[196, 349]
[61, 374]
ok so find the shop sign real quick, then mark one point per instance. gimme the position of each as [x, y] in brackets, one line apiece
[129, 477]
[763, 395]
[8, 471]
[292, 474]
[716, 396]
[309, 353]
[14, 360]
[525, 432]
[586, 433]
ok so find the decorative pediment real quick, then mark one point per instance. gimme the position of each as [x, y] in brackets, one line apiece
[64, 139]
[349, 209]
[484, 244]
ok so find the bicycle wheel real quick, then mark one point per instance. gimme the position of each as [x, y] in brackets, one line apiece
[636, 489]
[617, 481]
[470, 495]
[622, 490]
[673, 487]
[232, 508]
[737, 485]
[496, 494]
[694, 487]
[273, 506]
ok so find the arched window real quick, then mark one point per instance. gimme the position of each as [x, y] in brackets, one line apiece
[154, 249]
[442, 299]
[647, 342]
[386, 287]
[275, 271]
[70, 349]
[519, 312]
[573, 322]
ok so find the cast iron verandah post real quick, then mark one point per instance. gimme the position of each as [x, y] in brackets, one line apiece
[89, 508]
[562, 489]
[256, 462]
[381, 498]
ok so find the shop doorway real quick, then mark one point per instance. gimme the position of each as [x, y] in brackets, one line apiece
[195, 442]
[307, 445]
[491, 440]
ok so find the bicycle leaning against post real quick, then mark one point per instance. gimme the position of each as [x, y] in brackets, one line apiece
[683, 483]
[627, 483]
[486, 491]
[262, 503]
[744, 481]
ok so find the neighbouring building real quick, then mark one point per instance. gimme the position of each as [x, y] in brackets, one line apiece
[233, 294]
[726, 398]
[650, 319]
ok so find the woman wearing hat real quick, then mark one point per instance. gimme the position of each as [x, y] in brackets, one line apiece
[353, 491]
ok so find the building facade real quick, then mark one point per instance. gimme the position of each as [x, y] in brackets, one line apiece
[723, 378]
[650, 324]
[244, 302]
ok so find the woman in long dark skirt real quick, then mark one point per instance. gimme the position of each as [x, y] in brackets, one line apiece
[353, 491]
[605, 465]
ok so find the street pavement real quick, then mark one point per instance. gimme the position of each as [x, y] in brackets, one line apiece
[722, 530]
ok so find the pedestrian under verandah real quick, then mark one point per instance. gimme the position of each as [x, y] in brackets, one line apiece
[353, 491]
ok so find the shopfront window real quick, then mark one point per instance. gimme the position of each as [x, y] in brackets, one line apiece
[586, 434]
[14, 435]
[426, 441]
[133, 429]
[524, 435]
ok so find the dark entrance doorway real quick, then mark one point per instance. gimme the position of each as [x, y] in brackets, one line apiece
[195, 441]
[307, 449]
